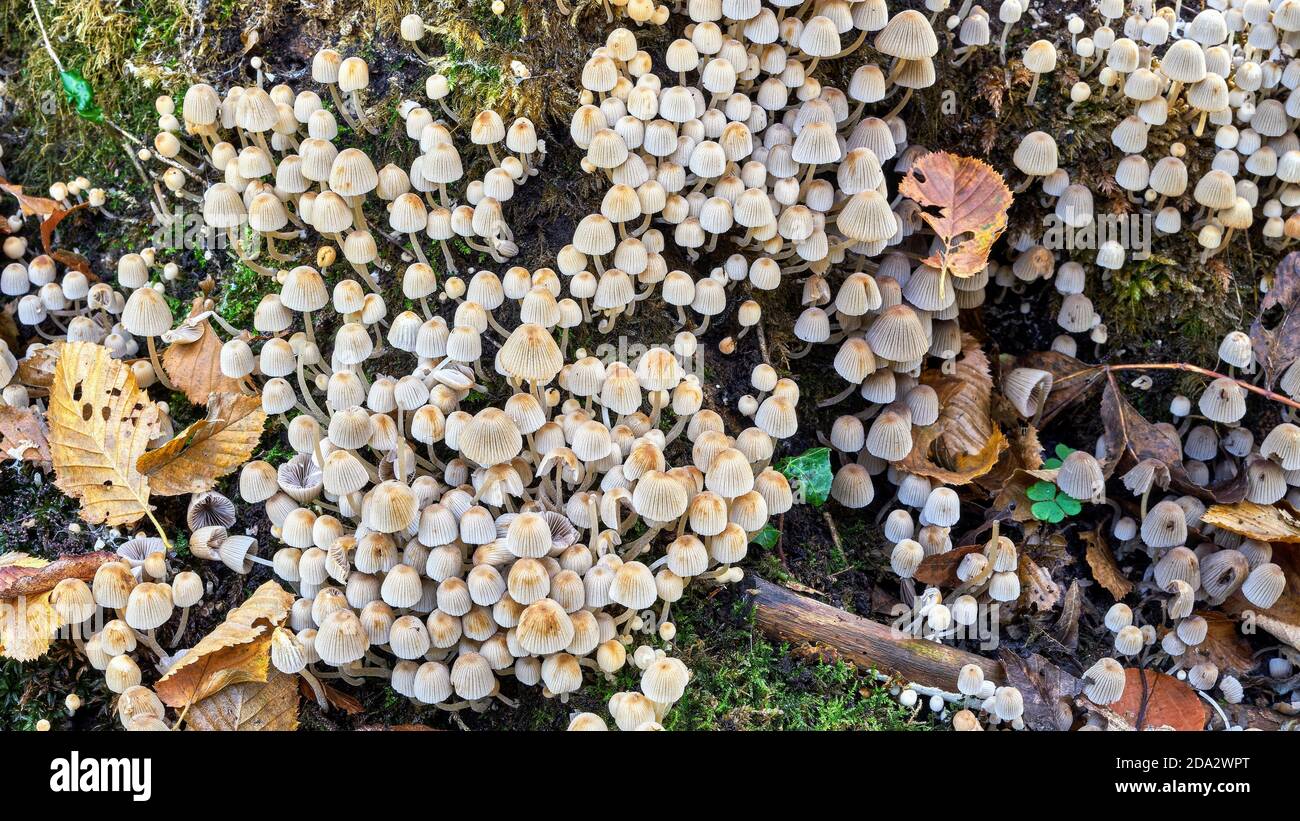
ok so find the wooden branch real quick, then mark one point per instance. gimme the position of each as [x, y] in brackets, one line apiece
[868, 644]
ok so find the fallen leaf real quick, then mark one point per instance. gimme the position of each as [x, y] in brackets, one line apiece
[52, 222]
[1105, 570]
[1037, 586]
[940, 570]
[23, 575]
[75, 261]
[100, 424]
[31, 206]
[1224, 646]
[1167, 703]
[26, 626]
[972, 202]
[195, 367]
[337, 699]
[1128, 434]
[36, 370]
[809, 474]
[249, 707]
[1072, 380]
[22, 436]
[1066, 629]
[1046, 689]
[964, 443]
[1277, 345]
[1264, 523]
[208, 449]
[236, 651]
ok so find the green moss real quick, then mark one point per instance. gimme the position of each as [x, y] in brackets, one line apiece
[241, 291]
[742, 681]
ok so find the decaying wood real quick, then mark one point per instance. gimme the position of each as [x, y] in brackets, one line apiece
[868, 644]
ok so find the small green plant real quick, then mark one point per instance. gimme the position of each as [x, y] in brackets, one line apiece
[809, 474]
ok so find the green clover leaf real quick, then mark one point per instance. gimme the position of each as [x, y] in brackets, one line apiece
[1047, 512]
[1041, 491]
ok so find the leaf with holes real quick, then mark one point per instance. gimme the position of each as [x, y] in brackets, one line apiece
[100, 424]
[254, 706]
[971, 201]
[207, 450]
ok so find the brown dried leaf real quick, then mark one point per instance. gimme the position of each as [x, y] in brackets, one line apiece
[31, 206]
[236, 651]
[1037, 585]
[22, 575]
[1128, 434]
[1224, 645]
[972, 203]
[52, 222]
[26, 627]
[1264, 523]
[22, 435]
[337, 699]
[75, 261]
[1105, 570]
[208, 449]
[1046, 689]
[100, 423]
[940, 570]
[1277, 344]
[37, 369]
[250, 707]
[964, 443]
[1066, 629]
[195, 367]
[1072, 380]
[1168, 702]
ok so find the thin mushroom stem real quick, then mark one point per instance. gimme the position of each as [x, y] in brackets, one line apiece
[157, 365]
[180, 627]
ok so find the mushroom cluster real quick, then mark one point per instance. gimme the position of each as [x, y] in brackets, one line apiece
[283, 171]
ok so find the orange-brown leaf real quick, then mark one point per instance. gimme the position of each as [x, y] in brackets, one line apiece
[195, 367]
[1104, 568]
[250, 707]
[22, 435]
[971, 201]
[1168, 702]
[31, 579]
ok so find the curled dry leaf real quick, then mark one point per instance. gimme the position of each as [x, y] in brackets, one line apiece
[36, 370]
[100, 424]
[1129, 435]
[207, 450]
[31, 206]
[964, 443]
[236, 651]
[1264, 523]
[940, 569]
[1105, 570]
[195, 367]
[23, 575]
[1066, 629]
[1166, 702]
[337, 699]
[22, 435]
[972, 202]
[249, 707]
[1276, 340]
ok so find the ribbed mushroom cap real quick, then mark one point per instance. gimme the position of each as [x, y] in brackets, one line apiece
[544, 628]
[1165, 525]
[531, 354]
[490, 438]
[1264, 586]
[664, 681]
[1223, 401]
[1104, 681]
[907, 36]
[148, 606]
[659, 497]
[777, 417]
[341, 638]
[147, 313]
[633, 586]
[529, 536]
[1036, 155]
[898, 335]
[867, 217]
[390, 507]
[1081, 477]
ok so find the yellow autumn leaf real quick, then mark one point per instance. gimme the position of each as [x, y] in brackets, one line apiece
[207, 450]
[236, 651]
[967, 204]
[26, 622]
[100, 423]
[250, 707]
